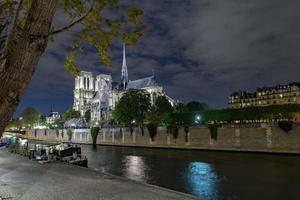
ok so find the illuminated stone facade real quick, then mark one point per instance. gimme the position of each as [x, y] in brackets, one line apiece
[277, 95]
[100, 94]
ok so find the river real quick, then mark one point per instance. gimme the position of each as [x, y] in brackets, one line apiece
[208, 174]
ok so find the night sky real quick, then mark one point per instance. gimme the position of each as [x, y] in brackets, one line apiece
[199, 50]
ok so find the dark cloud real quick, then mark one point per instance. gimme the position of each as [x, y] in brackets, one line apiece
[199, 49]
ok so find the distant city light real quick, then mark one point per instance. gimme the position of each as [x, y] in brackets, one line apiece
[39, 127]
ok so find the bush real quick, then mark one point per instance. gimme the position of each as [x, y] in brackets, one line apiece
[152, 128]
[213, 128]
[70, 134]
[286, 126]
[94, 133]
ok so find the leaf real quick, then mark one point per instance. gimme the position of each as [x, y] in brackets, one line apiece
[70, 64]
[113, 3]
[133, 15]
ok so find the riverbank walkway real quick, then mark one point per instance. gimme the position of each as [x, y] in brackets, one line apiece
[23, 179]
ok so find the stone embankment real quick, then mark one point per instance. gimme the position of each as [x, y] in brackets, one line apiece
[258, 138]
[23, 179]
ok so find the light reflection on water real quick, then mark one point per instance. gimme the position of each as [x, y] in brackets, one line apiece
[202, 180]
[210, 175]
[134, 168]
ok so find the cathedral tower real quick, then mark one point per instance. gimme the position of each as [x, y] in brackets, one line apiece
[84, 91]
[124, 72]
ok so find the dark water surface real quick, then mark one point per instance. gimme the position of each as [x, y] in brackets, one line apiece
[212, 175]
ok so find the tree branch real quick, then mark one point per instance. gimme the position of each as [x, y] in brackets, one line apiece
[17, 14]
[72, 24]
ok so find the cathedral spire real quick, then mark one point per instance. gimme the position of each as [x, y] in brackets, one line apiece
[124, 72]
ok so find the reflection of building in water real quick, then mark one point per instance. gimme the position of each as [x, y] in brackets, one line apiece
[100, 94]
[202, 180]
[135, 168]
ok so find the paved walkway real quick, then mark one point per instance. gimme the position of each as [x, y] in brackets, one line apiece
[23, 179]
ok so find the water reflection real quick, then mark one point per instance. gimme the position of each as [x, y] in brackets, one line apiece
[135, 168]
[202, 180]
[210, 175]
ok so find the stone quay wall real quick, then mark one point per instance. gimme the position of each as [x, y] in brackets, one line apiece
[259, 138]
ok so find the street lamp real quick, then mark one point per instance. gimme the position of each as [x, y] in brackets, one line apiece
[197, 119]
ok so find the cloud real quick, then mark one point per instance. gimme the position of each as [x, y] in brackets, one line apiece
[199, 49]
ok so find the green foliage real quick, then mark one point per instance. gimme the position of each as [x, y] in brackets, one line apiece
[87, 115]
[132, 106]
[152, 116]
[163, 109]
[213, 129]
[196, 107]
[58, 124]
[70, 114]
[70, 64]
[30, 116]
[94, 133]
[99, 30]
[276, 112]
[286, 126]
[13, 124]
[42, 120]
[69, 134]
[163, 105]
[152, 128]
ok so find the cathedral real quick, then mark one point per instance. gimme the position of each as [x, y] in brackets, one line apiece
[100, 94]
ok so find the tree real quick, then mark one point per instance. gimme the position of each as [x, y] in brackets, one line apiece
[26, 27]
[181, 116]
[132, 107]
[94, 133]
[163, 105]
[87, 115]
[195, 106]
[70, 134]
[164, 109]
[30, 117]
[12, 125]
[153, 119]
[42, 120]
[70, 114]
[58, 124]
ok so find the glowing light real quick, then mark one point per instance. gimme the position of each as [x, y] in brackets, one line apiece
[40, 127]
[202, 179]
[135, 168]
[23, 142]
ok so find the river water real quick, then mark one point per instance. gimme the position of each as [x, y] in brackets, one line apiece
[207, 174]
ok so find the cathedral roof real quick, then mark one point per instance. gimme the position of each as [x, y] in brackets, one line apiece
[142, 83]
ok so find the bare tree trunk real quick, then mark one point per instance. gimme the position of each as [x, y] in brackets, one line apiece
[22, 52]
